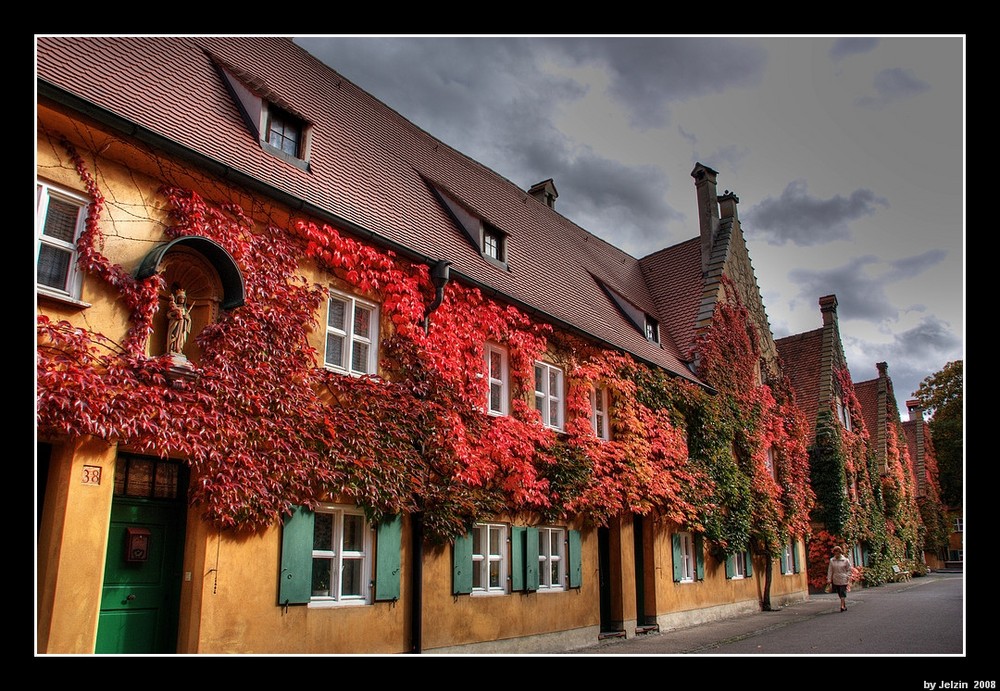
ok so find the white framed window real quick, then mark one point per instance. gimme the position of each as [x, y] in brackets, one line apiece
[769, 464]
[844, 415]
[489, 558]
[740, 565]
[599, 412]
[549, 394]
[857, 555]
[493, 243]
[59, 220]
[351, 335]
[788, 558]
[341, 563]
[687, 556]
[958, 525]
[551, 559]
[284, 131]
[652, 330]
[498, 396]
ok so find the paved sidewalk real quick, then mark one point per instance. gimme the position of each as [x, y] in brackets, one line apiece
[702, 638]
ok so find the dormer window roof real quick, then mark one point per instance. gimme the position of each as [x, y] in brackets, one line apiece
[644, 322]
[486, 238]
[273, 122]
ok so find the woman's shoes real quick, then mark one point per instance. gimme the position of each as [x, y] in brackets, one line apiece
[843, 609]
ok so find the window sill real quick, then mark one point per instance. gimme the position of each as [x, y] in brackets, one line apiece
[49, 295]
[488, 593]
[335, 604]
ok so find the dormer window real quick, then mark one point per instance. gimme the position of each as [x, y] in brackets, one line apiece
[279, 130]
[486, 238]
[284, 132]
[492, 243]
[652, 330]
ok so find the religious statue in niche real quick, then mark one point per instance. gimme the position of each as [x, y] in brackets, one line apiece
[178, 321]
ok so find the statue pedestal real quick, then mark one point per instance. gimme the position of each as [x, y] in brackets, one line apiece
[181, 369]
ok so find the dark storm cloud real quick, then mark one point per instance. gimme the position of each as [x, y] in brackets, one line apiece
[649, 73]
[860, 286]
[489, 99]
[860, 294]
[892, 85]
[911, 355]
[801, 219]
[843, 47]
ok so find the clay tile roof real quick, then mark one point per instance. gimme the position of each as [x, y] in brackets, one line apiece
[369, 167]
[801, 355]
[674, 277]
[867, 395]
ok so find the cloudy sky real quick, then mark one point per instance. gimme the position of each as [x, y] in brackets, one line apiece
[847, 155]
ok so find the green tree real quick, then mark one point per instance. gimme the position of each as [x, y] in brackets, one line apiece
[941, 396]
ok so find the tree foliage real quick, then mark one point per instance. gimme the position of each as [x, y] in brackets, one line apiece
[941, 396]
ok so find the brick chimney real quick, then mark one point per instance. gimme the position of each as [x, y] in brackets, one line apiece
[916, 411]
[705, 180]
[545, 192]
[828, 307]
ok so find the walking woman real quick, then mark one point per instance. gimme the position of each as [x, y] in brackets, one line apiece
[838, 573]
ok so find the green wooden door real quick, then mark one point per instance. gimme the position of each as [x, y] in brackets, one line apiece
[141, 598]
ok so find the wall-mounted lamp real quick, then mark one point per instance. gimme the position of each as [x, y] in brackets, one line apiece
[440, 275]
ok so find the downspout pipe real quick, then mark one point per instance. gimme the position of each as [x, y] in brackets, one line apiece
[417, 577]
[440, 275]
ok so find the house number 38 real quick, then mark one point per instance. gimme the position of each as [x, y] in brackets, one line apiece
[91, 474]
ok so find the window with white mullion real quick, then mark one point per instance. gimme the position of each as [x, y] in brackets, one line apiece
[489, 560]
[549, 394]
[351, 335]
[551, 559]
[740, 565]
[599, 412]
[687, 557]
[60, 217]
[496, 372]
[341, 545]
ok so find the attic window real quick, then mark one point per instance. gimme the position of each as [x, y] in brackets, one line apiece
[493, 243]
[284, 132]
[652, 330]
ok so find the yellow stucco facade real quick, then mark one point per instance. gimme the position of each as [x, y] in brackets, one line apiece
[228, 594]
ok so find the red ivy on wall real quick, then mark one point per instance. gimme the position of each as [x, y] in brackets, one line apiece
[265, 427]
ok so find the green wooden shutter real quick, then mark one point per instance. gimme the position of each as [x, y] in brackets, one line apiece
[517, 558]
[730, 566]
[795, 556]
[295, 579]
[531, 559]
[461, 565]
[699, 558]
[675, 544]
[749, 559]
[575, 559]
[388, 558]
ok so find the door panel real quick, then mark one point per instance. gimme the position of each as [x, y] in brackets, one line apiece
[140, 598]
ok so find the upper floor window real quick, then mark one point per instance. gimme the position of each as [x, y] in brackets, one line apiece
[341, 567]
[769, 464]
[496, 374]
[351, 335]
[599, 412]
[59, 219]
[844, 415]
[958, 524]
[284, 132]
[551, 558]
[549, 394]
[493, 243]
[652, 330]
[489, 558]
